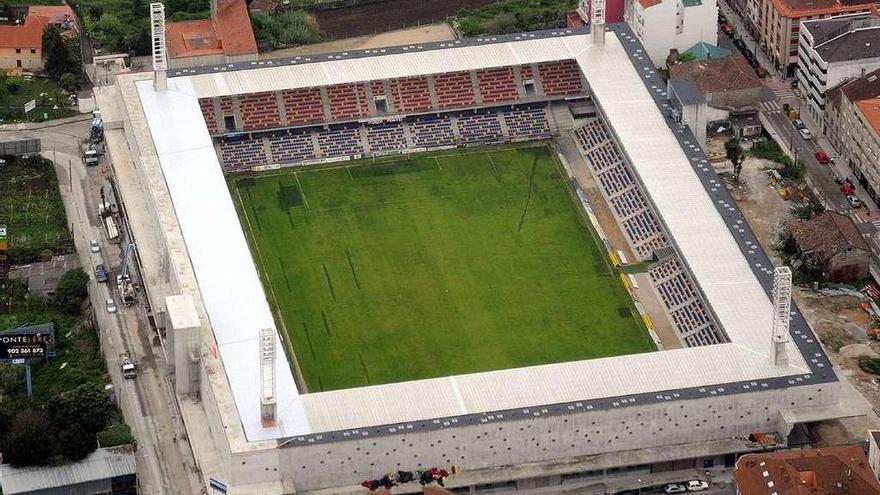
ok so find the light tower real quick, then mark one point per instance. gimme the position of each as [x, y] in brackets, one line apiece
[267, 377]
[781, 315]
[160, 59]
[597, 21]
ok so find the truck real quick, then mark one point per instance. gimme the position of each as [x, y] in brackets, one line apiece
[123, 280]
[129, 370]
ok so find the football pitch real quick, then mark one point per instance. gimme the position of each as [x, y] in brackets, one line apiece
[433, 265]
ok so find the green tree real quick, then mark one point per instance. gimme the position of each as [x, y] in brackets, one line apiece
[736, 155]
[13, 83]
[72, 290]
[76, 442]
[29, 440]
[87, 406]
[69, 82]
[59, 59]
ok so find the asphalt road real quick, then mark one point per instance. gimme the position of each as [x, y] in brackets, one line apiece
[146, 401]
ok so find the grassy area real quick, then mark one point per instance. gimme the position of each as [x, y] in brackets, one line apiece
[31, 209]
[47, 94]
[117, 433]
[435, 265]
[769, 149]
[287, 28]
[511, 16]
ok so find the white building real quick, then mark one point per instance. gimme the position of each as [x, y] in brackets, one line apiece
[832, 50]
[662, 25]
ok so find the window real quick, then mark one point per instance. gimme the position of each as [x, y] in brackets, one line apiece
[229, 121]
[18, 50]
[33, 50]
[18, 63]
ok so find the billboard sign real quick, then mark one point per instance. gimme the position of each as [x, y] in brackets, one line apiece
[30, 106]
[3, 243]
[27, 342]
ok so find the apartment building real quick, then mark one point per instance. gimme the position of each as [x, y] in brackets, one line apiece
[833, 50]
[662, 25]
[852, 126]
[779, 25]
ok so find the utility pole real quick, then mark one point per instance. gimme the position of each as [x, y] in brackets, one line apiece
[70, 174]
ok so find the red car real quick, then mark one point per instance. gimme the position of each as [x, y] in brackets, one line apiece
[822, 157]
[727, 27]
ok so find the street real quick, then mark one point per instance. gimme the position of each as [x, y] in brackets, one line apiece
[165, 463]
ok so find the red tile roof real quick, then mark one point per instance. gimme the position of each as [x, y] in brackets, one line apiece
[230, 33]
[56, 14]
[808, 8]
[827, 234]
[650, 3]
[716, 75]
[27, 35]
[870, 108]
[827, 471]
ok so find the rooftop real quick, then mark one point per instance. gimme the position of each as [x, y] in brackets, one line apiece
[828, 471]
[807, 8]
[26, 35]
[847, 38]
[827, 234]
[716, 75]
[56, 14]
[857, 88]
[870, 109]
[705, 51]
[99, 465]
[229, 33]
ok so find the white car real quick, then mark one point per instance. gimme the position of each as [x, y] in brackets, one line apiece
[94, 246]
[806, 134]
[697, 485]
[854, 201]
[675, 488]
[111, 306]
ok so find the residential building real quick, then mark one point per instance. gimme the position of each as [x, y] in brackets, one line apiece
[827, 471]
[831, 244]
[21, 44]
[832, 50]
[581, 16]
[109, 470]
[705, 51]
[705, 91]
[663, 25]
[224, 38]
[779, 25]
[874, 452]
[852, 126]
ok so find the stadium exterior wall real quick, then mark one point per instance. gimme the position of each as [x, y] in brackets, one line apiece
[550, 437]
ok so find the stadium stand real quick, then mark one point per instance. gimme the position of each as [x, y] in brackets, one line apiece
[342, 140]
[527, 122]
[384, 137]
[347, 101]
[480, 127]
[207, 107]
[292, 146]
[640, 226]
[560, 78]
[303, 106]
[410, 94]
[242, 154]
[259, 111]
[454, 90]
[497, 85]
[430, 131]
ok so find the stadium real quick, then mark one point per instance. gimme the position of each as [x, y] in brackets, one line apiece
[380, 260]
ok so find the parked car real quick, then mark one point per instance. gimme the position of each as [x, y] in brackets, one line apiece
[101, 273]
[697, 485]
[806, 134]
[722, 19]
[822, 157]
[798, 124]
[761, 72]
[111, 306]
[854, 201]
[740, 44]
[727, 28]
[675, 488]
[94, 246]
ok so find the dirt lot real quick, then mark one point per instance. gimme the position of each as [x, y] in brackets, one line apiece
[839, 321]
[386, 16]
[432, 32]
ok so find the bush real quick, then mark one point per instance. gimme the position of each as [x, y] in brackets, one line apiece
[30, 439]
[13, 83]
[291, 27]
[510, 16]
[87, 407]
[870, 365]
[73, 289]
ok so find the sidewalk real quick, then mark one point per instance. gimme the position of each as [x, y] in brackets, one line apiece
[30, 126]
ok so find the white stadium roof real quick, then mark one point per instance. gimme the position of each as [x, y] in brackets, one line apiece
[236, 303]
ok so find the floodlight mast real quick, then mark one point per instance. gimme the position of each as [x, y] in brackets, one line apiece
[160, 59]
[267, 377]
[597, 21]
[781, 315]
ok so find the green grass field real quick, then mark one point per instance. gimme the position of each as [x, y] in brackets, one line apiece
[432, 266]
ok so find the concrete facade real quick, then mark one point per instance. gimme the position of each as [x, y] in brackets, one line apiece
[664, 25]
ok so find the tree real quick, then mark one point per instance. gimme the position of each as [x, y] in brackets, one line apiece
[59, 59]
[86, 406]
[72, 290]
[69, 82]
[29, 440]
[736, 155]
[13, 83]
[76, 442]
